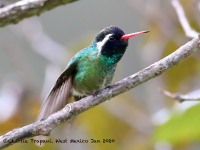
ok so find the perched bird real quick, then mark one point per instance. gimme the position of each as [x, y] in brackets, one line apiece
[90, 70]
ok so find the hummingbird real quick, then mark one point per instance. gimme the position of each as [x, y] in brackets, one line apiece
[89, 71]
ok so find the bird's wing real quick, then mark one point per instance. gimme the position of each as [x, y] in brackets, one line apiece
[60, 93]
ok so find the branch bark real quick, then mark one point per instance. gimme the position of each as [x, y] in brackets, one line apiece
[44, 127]
[16, 12]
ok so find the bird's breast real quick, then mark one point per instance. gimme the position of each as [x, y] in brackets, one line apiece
[93, 73]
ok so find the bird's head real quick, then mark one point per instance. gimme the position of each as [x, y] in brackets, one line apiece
[111, 41]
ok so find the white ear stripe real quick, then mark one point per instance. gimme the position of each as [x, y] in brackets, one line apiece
[101, 43]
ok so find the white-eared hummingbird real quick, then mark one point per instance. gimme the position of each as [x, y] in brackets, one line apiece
[90, 70]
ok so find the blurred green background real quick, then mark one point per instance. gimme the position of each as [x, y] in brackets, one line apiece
[35, 51]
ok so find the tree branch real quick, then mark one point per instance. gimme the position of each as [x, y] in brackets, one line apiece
[14, 13]
[44, 127]
[189, 32]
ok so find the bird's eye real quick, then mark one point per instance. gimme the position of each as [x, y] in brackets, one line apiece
[111, 38]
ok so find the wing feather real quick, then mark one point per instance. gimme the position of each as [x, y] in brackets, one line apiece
[59, 95]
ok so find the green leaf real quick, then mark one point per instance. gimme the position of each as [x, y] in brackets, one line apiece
[180, 128]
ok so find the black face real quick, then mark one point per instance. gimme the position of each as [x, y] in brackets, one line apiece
[109, 42]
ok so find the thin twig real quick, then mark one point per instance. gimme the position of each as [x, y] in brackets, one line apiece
[189, 32]
[192, 96]
[44, 127]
